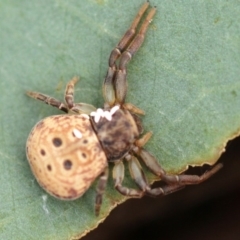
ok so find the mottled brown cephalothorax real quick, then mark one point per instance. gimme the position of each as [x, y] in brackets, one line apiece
[118, 135]
[68, 152]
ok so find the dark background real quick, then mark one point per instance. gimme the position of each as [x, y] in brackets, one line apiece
[210, 210]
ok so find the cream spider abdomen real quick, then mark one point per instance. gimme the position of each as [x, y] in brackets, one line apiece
[65, 155]
[117, 135]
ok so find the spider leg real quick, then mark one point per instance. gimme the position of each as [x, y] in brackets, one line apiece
[128, 36]
[133, 109]
[118, 176]
[143, 140]
[69, 98]
[137, 173]
[48, 100]
[185, 179]
[139, 177]
[180, 180]
[108, 85]
[153, 165]
[100, 190]
[78, 108]
[121, 75]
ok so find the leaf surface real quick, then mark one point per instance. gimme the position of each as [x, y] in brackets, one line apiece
[185, 77]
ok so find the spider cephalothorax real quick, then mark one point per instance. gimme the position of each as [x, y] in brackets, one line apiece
[68, 152]
[118, 135]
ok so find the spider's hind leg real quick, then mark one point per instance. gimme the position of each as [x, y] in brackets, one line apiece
[48, 100]
[140, 179]
[70, 106]
[177, 180]
[78, 108]
[102, 182]
[118, 176]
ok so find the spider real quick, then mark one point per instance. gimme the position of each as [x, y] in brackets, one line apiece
[68, 152]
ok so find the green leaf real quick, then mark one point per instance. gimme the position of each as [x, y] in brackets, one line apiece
[185, 77]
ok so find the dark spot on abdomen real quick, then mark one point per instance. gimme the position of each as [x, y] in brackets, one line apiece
[43, 153]
[67, 164]
[57, 142]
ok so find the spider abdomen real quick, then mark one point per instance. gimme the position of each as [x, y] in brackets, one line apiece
[65, 155]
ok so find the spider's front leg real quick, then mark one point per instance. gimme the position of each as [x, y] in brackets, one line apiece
[115, 84]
